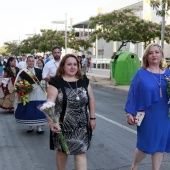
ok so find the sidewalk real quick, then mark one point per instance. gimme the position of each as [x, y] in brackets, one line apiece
[105, 82]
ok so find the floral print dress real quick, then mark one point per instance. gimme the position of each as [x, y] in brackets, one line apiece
[73, 114]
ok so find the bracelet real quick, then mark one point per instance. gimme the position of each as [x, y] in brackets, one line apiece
[92, 118]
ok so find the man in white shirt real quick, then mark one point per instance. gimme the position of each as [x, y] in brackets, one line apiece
[22, 64]
[50, 67]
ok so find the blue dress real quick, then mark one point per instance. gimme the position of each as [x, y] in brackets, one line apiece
[153, 135]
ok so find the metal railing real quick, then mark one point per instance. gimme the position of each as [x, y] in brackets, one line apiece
[101, 63]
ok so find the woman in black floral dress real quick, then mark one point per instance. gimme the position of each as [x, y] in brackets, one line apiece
[73, 95]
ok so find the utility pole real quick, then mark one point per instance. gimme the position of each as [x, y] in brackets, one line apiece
[163, 25]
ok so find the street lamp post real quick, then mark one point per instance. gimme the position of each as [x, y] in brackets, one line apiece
[63, 22]
[163, 27]
[29, 35]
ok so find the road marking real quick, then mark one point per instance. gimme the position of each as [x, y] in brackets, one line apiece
[117, 124]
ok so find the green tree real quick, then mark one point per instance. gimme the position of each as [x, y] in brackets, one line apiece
[124, 26]
[49, 39]
[26, 46]
[162, 6]
[3, 50]
[81, 44]
[12, 48]
[31, 44]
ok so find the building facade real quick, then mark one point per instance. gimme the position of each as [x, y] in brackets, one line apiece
[102, 51]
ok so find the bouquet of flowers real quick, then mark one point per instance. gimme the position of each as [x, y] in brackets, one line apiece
[48, 109]
[167, 78]
[34, 78]
[23, 88]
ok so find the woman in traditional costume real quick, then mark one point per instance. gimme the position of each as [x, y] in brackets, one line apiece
[7, 95]
[29, 114]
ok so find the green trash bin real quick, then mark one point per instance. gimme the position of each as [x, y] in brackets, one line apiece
[123, 67]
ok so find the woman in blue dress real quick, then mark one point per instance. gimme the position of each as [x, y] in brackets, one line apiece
[29, 114]
[148, 93]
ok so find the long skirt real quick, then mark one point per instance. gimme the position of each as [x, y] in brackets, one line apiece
[29, 114]
[7, 95]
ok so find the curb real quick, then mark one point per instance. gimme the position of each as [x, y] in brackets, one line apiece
[110, 87]
[103, 81]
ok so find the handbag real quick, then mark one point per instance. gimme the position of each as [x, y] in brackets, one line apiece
[139, 117]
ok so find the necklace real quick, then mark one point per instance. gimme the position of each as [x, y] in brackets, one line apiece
[159, 83]
[76, 93]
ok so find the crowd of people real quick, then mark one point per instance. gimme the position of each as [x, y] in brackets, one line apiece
[61, 80]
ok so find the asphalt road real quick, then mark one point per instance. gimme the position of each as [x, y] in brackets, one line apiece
[102, 72]
[112, 148]
[118, 140]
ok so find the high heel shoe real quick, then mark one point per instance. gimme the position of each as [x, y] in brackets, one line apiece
[30, 130]
[40, 132]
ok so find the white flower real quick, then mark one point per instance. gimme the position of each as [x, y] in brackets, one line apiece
[51, 104]
[42, 107]
[48, 109]
[47, 105]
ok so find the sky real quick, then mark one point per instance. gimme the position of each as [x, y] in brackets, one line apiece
[21, 17]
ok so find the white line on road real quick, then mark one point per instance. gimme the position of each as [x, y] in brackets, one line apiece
[117, 124]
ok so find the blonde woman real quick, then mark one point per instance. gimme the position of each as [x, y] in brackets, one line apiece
[148, 93]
